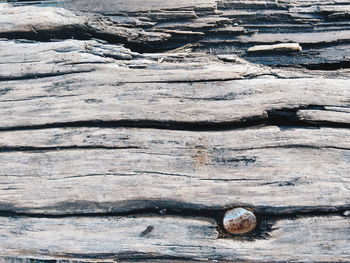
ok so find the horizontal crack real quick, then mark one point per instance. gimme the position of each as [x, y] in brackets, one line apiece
[41, 75]
[166, 125]
[283, 118]
[162, 207]
[58, 148]
[266, 216]
[328, 66]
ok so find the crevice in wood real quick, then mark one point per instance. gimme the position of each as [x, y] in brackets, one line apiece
[267, 216]
[96, 147]
[283, 118]
[48, 36]
[81, 34]
[52, 74]
[227, 27]
[221, 27]
[42, 75]
[289, 117]
[176, 208]
[166, 125]
[328, 66]
[47, 149]
[130, 256]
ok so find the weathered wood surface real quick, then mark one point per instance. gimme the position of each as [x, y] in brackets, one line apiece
[173, 237]
[105, 89]
[128, 127]
[123, 170]
[224, 27]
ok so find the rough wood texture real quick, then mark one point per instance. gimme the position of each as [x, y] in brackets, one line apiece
[223, 27]
[128, 128]
[123, 170]
[172, 237]
[98, 88]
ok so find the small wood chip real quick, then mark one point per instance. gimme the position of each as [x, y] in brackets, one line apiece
[277, 47]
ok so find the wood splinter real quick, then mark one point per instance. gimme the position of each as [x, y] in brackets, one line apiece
[239, 221]
[286, 47]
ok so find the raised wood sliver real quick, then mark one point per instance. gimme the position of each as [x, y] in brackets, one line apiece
[128, 128]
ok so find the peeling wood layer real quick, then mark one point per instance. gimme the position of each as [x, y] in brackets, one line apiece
[221, 27]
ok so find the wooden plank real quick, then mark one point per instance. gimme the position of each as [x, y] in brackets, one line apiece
[85, 74]
[235, 101]
[67, 171]
[238, 139]
[311, 239]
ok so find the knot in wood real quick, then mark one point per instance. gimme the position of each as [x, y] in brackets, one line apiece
[239, 221]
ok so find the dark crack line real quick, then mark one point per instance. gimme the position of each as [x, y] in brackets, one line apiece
[60, 148]
[283, 118]
[266, 216]
[173, 208]
[42, 75]
[165, 125]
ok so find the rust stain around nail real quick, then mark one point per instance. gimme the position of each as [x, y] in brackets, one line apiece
[239, 221]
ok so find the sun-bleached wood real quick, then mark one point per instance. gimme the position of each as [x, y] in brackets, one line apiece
[34, 19]
[305, 239]
[122, 170]
[126, 107]
[222, 27]
[99, 82]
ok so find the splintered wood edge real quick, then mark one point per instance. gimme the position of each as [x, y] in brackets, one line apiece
[276, 47]
[201, 22]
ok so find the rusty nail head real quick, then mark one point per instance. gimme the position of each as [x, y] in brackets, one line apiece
[239, 221]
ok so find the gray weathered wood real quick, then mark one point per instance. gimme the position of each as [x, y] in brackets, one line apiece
[128, 127]
[215, 26]
[122, 170]
[97, 88]
[306, 239]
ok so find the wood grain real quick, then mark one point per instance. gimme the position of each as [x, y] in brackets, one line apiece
[102, 82]
[306, 239]
[67, 171]
[110, 7]
[222, 27]
[128, 128]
